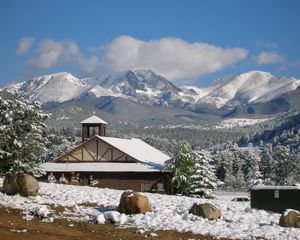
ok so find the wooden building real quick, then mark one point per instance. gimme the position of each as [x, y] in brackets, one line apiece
[275, 198]
[116, 163]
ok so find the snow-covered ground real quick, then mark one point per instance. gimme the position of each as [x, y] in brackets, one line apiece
[240, 122]
[84, 203]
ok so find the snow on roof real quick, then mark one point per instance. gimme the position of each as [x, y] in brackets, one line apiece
[94, 119]
[138, 149]
[98, 167]
[275, 188]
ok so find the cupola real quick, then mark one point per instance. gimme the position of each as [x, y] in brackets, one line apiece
[93, 126]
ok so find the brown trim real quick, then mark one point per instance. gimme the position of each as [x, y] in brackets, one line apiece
[75, 157]
[104, 153]
[119, 149]
[98, 162]
[88, 153]
[97, 149]
[86, 142]
[118, 158]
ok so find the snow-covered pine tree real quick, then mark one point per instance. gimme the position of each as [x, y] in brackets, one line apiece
[265, 163]
[294, 175]
[181, 168]
[281, 165]
[203, 180]
[254, 176]
[235, 175]
[21, 140]
[252, 172]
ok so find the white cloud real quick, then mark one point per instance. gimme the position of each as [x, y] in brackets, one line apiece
[268, 58]
[173, 58]
[267, 44]
[62, 53]
[25, 44]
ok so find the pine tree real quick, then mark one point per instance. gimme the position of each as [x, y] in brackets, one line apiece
[252, 172]
[265, 164]
[281, 165]
[21, 139]
[294, 175]
[203, 180]
[181, 168]
[254, 175]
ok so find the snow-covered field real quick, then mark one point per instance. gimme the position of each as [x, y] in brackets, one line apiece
[240, 122]
[83, 203]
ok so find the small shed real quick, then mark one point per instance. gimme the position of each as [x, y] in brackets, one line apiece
[275, 198]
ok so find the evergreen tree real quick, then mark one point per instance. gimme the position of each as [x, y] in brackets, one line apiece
[294, 175]
[281, 165]
[265, 164]
[181, 168]
[203, 180]
[21, 135]
[254, 175]
[252, 172]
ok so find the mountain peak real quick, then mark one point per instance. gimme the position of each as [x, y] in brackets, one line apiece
[247, 87]
[145, 86]
[255, 74]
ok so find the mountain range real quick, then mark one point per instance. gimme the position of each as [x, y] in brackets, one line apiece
[140, 93]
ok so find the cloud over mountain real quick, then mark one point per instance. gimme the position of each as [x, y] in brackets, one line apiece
[25, 44]
[178, 60]
[268, 58]
[173, 58]
[52, 53]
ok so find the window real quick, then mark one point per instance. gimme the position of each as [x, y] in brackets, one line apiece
[160, 186]
[145, 187]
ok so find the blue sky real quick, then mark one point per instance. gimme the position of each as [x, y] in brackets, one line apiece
[188, 41]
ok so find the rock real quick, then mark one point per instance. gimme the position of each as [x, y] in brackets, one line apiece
[290, 218]
[133, 203]
[21, 183]
[206, 210]
[240, 199]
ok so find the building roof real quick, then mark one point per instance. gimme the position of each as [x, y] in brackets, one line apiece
[263, 187]
[148, 159]
[138, 149]
[93, 119]
[99, 167]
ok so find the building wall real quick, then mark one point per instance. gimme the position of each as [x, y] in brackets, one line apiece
[96, 150]
[275, 200]
[137, 181]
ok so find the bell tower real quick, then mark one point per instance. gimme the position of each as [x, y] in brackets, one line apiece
[93, 126]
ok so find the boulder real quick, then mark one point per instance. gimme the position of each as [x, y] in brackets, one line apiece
[206, 210]
[133, 203]
[21, 183]
[290, 218]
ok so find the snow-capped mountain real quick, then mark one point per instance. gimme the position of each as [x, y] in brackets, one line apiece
[57, 87]
[143, 86]
[245, 88]
[146, 87]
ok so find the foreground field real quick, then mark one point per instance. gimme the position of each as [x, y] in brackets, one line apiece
[82, 204]
[13, 227]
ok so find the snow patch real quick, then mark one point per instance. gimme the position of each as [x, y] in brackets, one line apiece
[111, 217]
[168, 212]
[240, 122]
